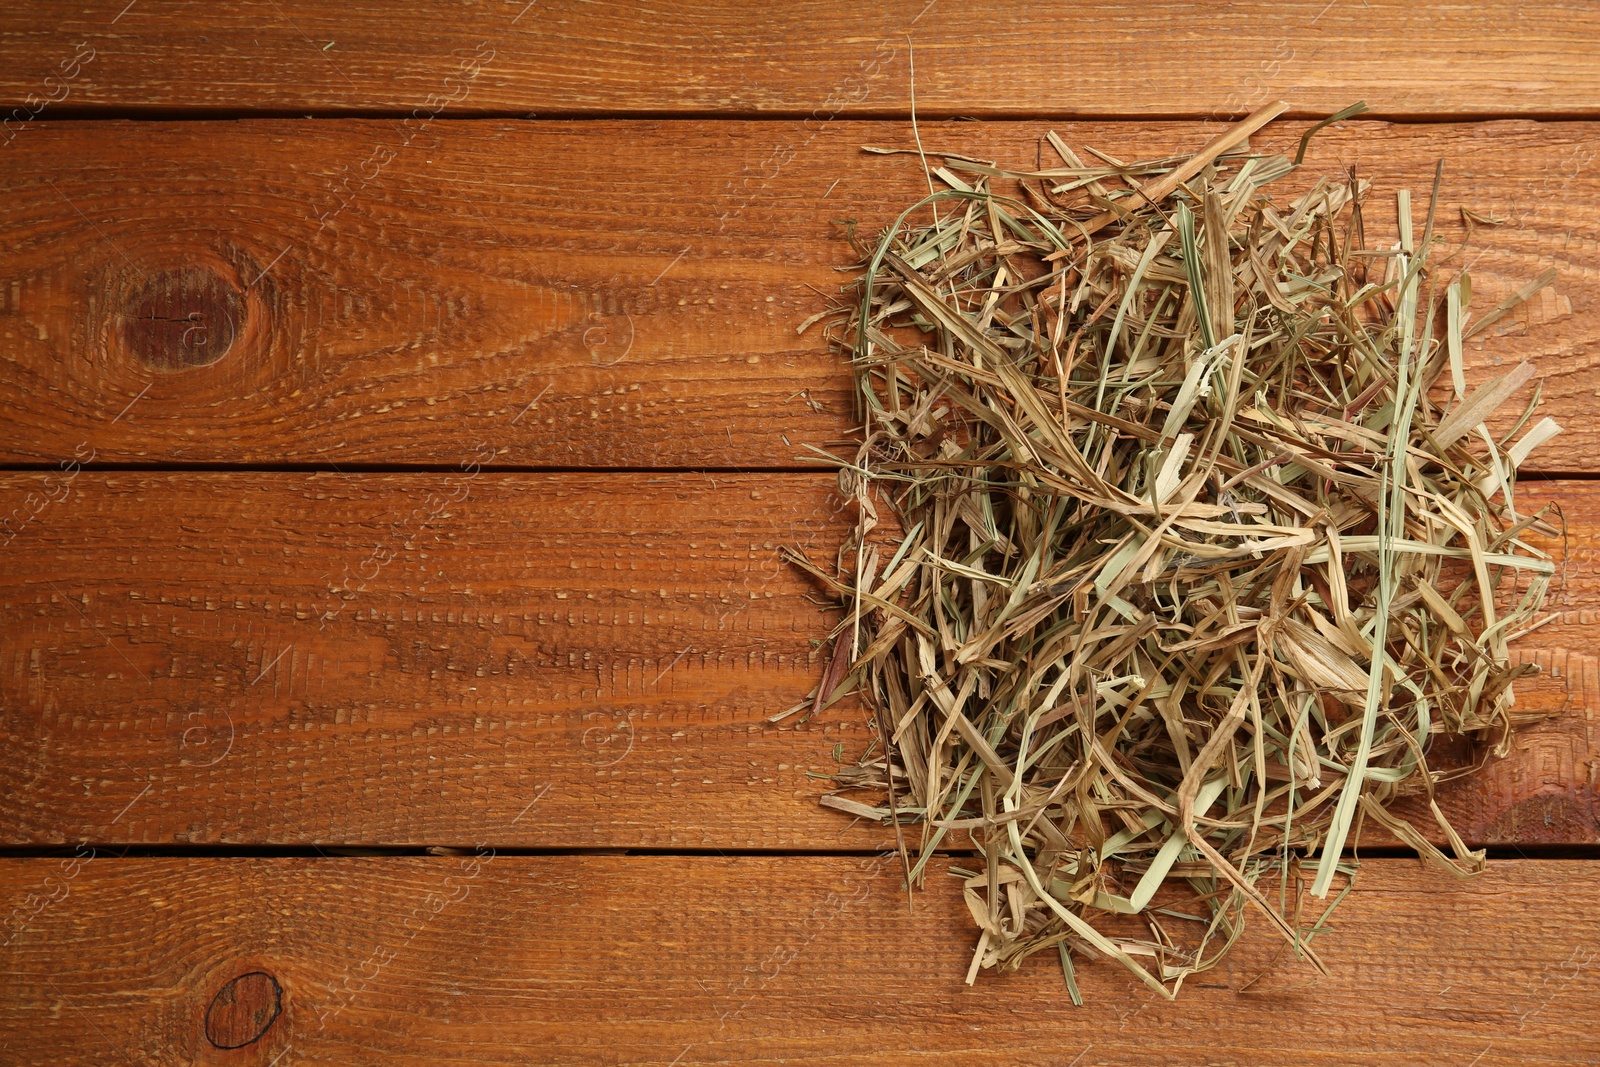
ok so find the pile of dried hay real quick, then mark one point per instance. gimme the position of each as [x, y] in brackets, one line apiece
[1168, 471]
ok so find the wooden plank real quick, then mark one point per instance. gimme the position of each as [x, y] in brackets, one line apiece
[484, 959]
[295, 658]
[1099, 58]
[587, 294]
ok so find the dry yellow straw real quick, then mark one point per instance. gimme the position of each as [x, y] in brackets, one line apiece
[1193, 563]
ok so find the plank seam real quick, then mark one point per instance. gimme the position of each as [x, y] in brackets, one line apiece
[137, 113]
[1574, 852]
[430, 468]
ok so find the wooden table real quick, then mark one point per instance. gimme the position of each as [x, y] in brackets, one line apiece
[403, 414]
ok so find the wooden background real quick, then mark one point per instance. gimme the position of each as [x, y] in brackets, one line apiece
[403, 410]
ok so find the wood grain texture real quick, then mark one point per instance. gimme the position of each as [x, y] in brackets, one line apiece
[485, 959]
[1100, 58]
[592, 293]
[265, 644]
[415, 658]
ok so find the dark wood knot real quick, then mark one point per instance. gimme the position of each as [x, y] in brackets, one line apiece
[243, 1010]
[181, 318]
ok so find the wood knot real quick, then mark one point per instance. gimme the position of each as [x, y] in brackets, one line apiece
[188, 317]
[243, 1010]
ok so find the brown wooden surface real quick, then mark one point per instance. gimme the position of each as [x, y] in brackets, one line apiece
[1117, 58]
[358, 659]
[589, 294]
[237, 658]
[704, 960]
